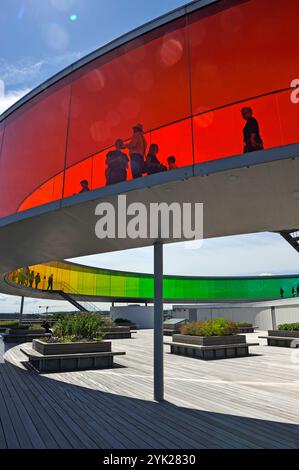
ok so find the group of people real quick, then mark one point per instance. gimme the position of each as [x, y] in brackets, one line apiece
[143, 162]
[295, 292]
[28, 278]
[140, 161]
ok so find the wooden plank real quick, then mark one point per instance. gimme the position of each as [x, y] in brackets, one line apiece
[248, 402]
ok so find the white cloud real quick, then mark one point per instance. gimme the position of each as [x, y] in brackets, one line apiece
[7, 100]
[31, 72]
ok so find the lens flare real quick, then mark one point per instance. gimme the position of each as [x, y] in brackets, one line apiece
[73, 17]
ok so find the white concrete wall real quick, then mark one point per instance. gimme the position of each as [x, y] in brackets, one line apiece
[259, 316]
[141, 315]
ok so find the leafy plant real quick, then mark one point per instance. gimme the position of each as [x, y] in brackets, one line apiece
[79, 327]
[215, 327]
[289, 326]
[9, 324]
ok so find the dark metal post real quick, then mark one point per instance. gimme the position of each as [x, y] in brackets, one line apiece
[273, 317]
[21, 310]
[158, 323]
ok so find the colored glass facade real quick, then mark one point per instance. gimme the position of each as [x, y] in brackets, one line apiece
[185, 81]
[88, 281]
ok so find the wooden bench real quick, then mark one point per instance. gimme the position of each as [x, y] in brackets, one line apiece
[281, 341]
[23, 338]
[70, 362]
[211, 352]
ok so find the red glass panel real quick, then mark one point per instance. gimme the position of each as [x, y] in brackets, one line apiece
[144, 81]
[175, 140]
[219, 133]
[33, 148]
[75, 174]
[1, 135]
[49, 191]
[289, 117]
[243, 51]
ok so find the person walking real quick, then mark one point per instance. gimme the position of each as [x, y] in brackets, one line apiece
[31, 279]
[117, 164]
[50, 282]
[137, 148]
[251, 132]
[37, 280]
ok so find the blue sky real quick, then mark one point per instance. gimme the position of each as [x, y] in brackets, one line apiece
[40, 37]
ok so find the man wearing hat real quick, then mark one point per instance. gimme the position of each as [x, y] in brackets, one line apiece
[137, 148]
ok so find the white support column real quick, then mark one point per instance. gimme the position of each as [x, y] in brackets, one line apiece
[158, 323]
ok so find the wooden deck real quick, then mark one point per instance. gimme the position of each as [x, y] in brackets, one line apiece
[249, 402]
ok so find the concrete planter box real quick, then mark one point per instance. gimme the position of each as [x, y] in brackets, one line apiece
[117, 332]
[132, 326]
[286, 333]
[245, 329]
[210, 347]
[209, 340]
[282, 338]
[23, 331]
[48, 349]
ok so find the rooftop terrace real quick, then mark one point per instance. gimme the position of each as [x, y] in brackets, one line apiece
[249, 402]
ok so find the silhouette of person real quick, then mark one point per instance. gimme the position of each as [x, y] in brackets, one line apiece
[297, 290]
[31, 279]
[84, 186]
[27, 275]
[293, 292]
[152, 163]
[50, 282]
[171, 162]
[117, 164]
[37, 280]
[137, 148]
[46, 326]
[281, 292]
[251, 132]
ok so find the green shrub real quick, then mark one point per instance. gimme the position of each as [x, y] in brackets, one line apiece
[9, 324]
[35, 326]
[289, 326]
[245, 325]
[80, 327]
[216, 327]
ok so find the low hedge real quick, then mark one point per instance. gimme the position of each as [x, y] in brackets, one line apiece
[289, 326]
[245, 325]
[215, 327]
[81, 327]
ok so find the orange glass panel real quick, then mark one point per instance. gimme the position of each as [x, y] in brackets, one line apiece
[219, 133]
[242, 51]
[99, 169]
[49, 191]
[175, 140]
[33, 148]
[75, 174]
[144, 81]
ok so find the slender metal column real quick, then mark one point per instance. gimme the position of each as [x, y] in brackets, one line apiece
[273, 318]
[158, 323]
[21, 310]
